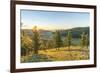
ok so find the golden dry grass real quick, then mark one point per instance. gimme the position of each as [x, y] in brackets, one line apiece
[63, 54]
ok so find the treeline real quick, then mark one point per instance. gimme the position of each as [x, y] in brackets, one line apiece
[36, 43]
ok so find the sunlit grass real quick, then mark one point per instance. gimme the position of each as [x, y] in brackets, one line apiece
[63, 54]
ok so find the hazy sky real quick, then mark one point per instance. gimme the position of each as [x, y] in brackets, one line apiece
[53, 20]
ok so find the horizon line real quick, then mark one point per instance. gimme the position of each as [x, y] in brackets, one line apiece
[55, 29]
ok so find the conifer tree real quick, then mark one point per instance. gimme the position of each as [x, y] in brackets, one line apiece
[69, 38]
[26, 43]
[36, 39]
[86, 40]
[57, 38]
[83, 39]
[43, 44]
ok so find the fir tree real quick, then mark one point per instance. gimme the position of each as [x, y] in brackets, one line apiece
[36, 39]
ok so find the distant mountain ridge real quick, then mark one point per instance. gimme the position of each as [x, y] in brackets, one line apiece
[76, 32]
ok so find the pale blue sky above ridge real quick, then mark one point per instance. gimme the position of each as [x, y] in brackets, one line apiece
[54, 20]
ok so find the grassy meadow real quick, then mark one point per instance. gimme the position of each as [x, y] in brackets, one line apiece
[63, 54]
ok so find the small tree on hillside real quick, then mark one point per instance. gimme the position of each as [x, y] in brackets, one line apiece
[83, 39]
[87, 40]
[49, 44]
[43, 44]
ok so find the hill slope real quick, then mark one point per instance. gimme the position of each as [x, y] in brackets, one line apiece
[76, 32]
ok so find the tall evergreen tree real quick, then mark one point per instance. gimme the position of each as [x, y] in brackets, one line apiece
[65, 44]
[36, 39]
[83, 39]
[86, 40]
[26, 43]
[69, 39]
[57, 38]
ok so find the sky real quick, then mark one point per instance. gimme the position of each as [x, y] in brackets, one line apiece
[53, 20]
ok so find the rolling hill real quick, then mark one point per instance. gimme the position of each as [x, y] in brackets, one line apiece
[76, 32]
